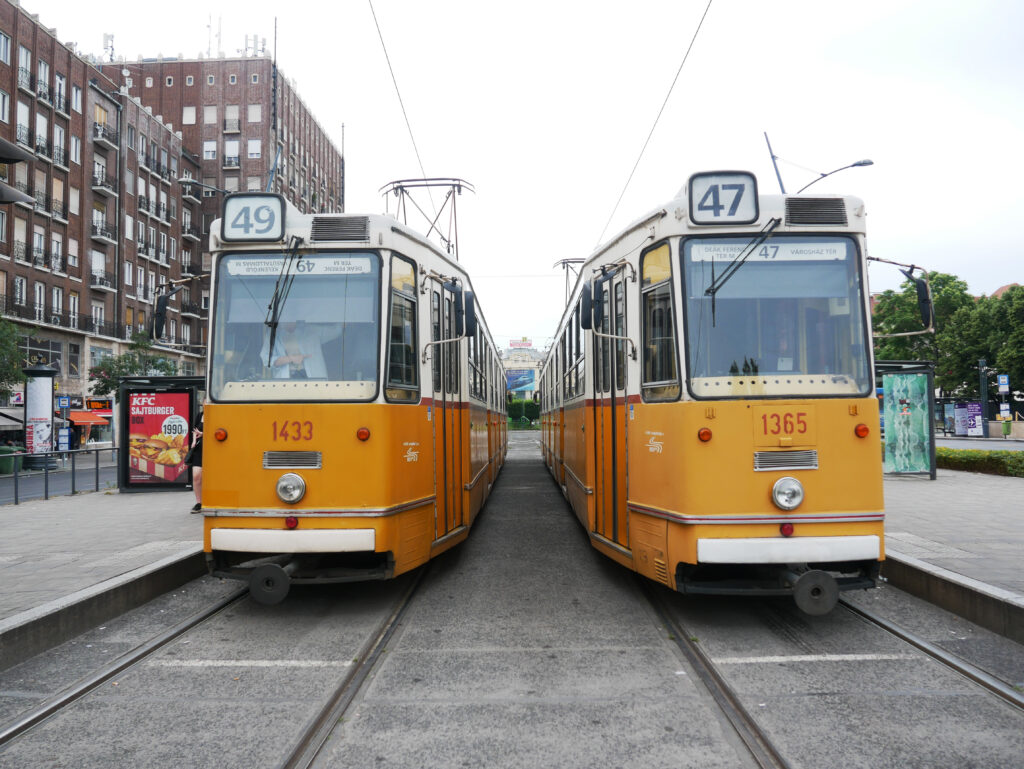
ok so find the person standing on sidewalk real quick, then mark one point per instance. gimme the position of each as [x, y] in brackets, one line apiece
[195, 459]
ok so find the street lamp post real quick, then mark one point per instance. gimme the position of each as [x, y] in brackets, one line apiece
[858, 164]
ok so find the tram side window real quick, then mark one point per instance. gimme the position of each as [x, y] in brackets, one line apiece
[580, 361]
[403, 370]
[660, 375]
[435, 336]
[620, 330]
[605, 343]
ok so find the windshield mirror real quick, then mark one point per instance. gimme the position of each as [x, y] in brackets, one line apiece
[326, 346]
[789, 323]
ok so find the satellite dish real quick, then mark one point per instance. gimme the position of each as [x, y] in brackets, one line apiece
[125, 72]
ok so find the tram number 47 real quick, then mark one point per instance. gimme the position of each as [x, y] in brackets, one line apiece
[786, 423]
[711, 202]
[293, 431]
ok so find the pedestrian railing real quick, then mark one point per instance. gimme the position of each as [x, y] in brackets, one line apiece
[58, 463]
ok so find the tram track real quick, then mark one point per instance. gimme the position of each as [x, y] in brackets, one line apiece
[984, 679]
[754, 738]
[319, 728]
[86, 684]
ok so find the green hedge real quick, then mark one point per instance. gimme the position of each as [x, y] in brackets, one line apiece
[974, 461]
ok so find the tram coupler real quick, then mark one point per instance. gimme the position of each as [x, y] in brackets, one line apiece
[269, 582]
[816, 592]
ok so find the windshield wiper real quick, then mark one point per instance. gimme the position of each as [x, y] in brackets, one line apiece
[281, 288]
[761, 238]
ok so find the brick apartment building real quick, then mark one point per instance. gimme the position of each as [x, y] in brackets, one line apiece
[109, 223]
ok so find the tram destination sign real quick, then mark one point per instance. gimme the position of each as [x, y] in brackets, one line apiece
[254, 266]
[257, 217]
[772, 251]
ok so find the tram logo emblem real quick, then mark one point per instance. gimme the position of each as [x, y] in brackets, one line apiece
[654, 445]
[411, 453]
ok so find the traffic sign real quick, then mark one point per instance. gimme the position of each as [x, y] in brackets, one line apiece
[64, 402]
[1004, 382]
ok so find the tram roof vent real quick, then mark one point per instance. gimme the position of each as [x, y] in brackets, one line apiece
[816, 211]
[341, 228]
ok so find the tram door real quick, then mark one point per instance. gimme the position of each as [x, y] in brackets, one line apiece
[448, 413]
[610, 416]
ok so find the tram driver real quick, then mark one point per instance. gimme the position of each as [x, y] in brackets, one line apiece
[298, 349]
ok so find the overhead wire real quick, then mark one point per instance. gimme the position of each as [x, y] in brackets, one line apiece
[401, 103]
[660, 111]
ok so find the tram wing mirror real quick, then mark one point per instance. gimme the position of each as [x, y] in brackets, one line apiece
[598, 302]
[460, 311]
[586, 308]
[470, 303]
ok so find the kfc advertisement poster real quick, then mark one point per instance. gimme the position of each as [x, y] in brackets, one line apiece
[158, 437]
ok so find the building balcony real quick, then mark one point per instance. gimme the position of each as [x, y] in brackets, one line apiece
[190, 308]
[42, 203]
[25, 79]
[104, 134]
[60, 157]
[43, 91]
[39, 258]
[188, 231]
[43, 148]
[188, 193]
[25, 136]
[144, 206]
[103, 183]
[144, 161]
[55, 262]
[60, 103]
[232, 161]
[103, 231]
[59, 209]
[21, 252]
[192, 268]
[232, 125]
[103, 281]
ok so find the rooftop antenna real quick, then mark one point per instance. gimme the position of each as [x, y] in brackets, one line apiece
[774, 158]
[108, 46]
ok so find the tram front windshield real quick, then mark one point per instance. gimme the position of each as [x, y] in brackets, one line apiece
[789, 321]
[324, 344]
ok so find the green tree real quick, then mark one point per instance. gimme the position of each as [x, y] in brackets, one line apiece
[139, 360]
[10, 357]
[1009, 326]
[966, 338]
[897, 312]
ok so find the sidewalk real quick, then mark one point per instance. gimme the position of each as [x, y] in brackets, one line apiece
[70, 562]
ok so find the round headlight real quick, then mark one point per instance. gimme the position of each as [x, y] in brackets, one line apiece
[291, 488]
[787, 493]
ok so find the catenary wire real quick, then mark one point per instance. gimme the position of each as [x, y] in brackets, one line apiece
[656, 119]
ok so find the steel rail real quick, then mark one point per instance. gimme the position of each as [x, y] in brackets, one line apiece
[1000, 688]
[318, 730]
[85, 685]
[753, 737]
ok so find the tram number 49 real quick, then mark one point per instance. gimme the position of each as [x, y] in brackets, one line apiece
[786, 423]
[293, 431]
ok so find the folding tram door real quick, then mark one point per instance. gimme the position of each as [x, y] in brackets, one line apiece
[449, 412]
[610, 413]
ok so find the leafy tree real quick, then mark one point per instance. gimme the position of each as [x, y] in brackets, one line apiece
[1009, 320]
[10, 357]
[898, 312]
[139, 360]
[966, 338]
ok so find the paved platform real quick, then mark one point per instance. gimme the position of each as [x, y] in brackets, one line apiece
[68, 563]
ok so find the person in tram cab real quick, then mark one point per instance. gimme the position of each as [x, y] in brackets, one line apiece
[298, 350]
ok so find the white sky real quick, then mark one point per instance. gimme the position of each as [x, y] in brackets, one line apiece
[544, 107]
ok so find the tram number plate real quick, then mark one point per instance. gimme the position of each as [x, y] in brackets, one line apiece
[287, 430]
[789, 424]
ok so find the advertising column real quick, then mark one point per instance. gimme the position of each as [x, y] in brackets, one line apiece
[39, 408]
[158, 433]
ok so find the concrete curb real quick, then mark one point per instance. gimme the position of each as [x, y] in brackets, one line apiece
[995, 609]
[34, 631]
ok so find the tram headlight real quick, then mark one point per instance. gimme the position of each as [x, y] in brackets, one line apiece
[787, 493]
[291, 488]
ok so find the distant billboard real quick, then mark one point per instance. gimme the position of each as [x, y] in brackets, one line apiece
[520, 379]
[524, 342]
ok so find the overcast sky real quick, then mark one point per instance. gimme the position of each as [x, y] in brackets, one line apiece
[545, 108]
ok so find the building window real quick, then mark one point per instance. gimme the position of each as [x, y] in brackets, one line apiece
[128, 273]
[170, 81]
[255, 78]
[76, 149]
[129, 82]
[210, 149]
[189, 80]
[255, 148]
[74, 359]
[76, 98]
[3, 229]
[72, 253]
[73, 200]
[253, 184]
[5, 107]
[231, 183]
[232, 79]
[149, 82]
[209, 79]
[255, 113]
[19, 290]
[188, 116]
[210, 188]
[5, 48]
[210, 114]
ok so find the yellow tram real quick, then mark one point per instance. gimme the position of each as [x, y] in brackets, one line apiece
[354, 421]
[708, 403]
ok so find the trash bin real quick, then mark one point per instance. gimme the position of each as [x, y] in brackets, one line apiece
[7, 460]
[1006, 428]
